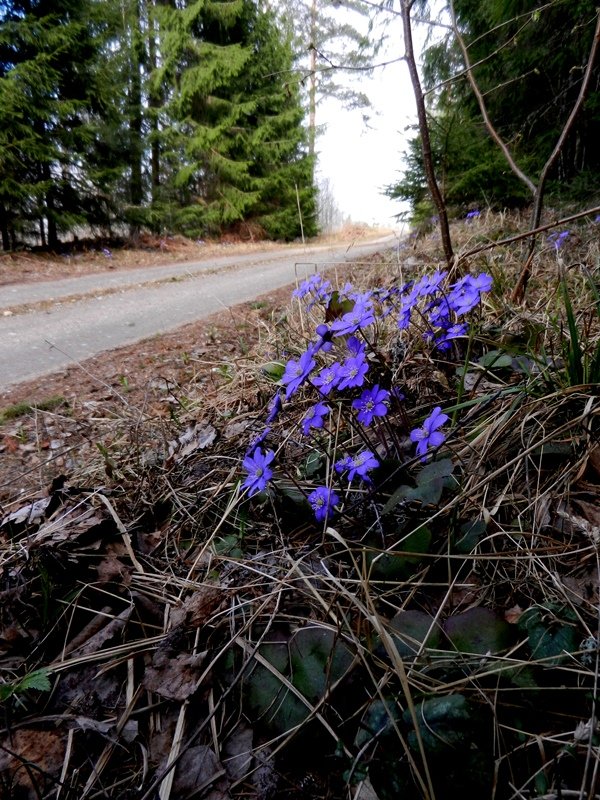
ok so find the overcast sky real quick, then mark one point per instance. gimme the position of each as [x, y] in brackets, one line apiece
[361, 160]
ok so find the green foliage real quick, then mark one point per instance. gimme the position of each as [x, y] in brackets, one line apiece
[173, 117]
[38, 680]
[528, 63]
[234, 136]
[312, 660]
[551, 631]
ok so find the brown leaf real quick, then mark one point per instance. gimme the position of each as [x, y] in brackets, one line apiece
[173, 677]
[196, 437]
[43, 751]
[594, 460]
[198, 607]
[513, 615]
[199, 767]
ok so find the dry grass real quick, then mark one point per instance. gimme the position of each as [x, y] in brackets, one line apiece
[200, 644]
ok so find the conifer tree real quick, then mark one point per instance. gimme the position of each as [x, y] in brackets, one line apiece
[50, 101]
[233, 144]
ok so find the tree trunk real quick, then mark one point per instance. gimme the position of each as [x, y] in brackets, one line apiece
[4, 228]
[312, 91]
[136, 189]
[154, 102]
[434, 189]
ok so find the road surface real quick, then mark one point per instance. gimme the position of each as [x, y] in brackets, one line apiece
[95, 313]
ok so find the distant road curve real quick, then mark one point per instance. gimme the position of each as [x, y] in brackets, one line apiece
[126, 307]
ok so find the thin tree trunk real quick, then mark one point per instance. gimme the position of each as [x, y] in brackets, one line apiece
[154, 101]
[4, 228]
[434, 189]
[312, 90]
[136, 190]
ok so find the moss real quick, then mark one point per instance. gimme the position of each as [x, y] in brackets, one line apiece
[21, 409]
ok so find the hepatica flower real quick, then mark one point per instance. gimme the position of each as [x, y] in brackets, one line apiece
[322, 501]
[352, 372]
[558, 238]
[371, 403]
[360, 465]
[327, 378]
[296, 372]
[274, 408]
[360, 317]
[259, 472]
[429, 436]
[317, 287]
[314, 417]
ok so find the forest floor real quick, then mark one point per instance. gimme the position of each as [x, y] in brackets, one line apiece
[163, 635]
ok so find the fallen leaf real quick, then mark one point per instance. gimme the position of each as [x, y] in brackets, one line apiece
[43, 754]
[513, 615]
[198, 607]
[174, 677]
[200, 768]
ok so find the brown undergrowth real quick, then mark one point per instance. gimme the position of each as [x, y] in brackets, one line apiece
[165, 636]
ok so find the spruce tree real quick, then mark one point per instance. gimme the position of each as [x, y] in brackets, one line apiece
[233, 148]
[50, 102]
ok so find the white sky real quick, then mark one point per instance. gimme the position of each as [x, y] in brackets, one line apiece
[358, 160]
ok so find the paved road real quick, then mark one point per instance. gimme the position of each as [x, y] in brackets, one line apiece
[125, 307]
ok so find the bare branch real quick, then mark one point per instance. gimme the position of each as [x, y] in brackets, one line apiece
[583, 89]
[483, 108]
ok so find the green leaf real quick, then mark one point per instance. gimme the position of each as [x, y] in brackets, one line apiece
[313, 464]
[478, 630]
[337, 308]
[495, 359]
[431, 482]
[312, 660]
[445, 723]
[471, 532]
[551, 632]
[412, 629]
[273, 370]
[377, 721]
[318, 658]
[38, 680]
[397, 564]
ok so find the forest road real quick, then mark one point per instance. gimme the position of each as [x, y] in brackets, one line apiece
[46, 327]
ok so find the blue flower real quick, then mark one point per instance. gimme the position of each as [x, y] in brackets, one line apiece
[314, 417]
[259, 439]
[558, 239]
[274, 408]
[327, 378]
[323, 500]
[453, 332]
[259, 472]
[473, 214]
[359, 465]
[355, 345]
[352, 372]
[296, 372]
[429, 435]
[371, 403]
[316, 286]
[429, 284]
[360, 317]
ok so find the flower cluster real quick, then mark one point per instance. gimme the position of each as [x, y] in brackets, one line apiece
[335, 367]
